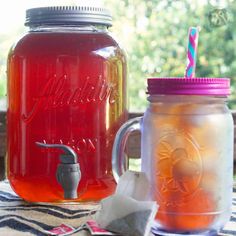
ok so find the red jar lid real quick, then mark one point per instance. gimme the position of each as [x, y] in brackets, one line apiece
[187, 86]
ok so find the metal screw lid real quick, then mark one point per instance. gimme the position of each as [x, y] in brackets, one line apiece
[68, 15]
[187, 86]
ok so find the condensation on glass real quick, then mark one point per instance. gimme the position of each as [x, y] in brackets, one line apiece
[187, 153]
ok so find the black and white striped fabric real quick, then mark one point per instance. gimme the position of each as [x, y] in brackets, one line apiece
[20, 218]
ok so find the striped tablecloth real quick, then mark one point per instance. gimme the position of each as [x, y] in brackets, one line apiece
[21, 218]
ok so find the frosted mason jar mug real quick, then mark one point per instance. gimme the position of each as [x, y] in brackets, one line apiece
[186, 152]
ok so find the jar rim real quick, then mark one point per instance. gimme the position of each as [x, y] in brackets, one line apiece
[68, 15]
[188, 86]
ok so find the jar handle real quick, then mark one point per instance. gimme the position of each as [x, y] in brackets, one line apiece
[118, 151]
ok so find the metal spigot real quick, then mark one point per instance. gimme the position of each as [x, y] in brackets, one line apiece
[68, 170]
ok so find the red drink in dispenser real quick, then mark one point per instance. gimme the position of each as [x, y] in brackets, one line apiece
[66, 85]
[187, 137]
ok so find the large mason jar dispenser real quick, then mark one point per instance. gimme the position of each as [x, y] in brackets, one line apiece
[66, 101]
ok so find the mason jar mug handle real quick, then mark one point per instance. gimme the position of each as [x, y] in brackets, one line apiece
[118, 151]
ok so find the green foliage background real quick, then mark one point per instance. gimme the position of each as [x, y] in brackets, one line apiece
[154, 35]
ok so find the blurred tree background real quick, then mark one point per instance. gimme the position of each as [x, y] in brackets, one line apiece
[154, 35]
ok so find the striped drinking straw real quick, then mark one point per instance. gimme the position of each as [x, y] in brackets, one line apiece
[192, 52]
